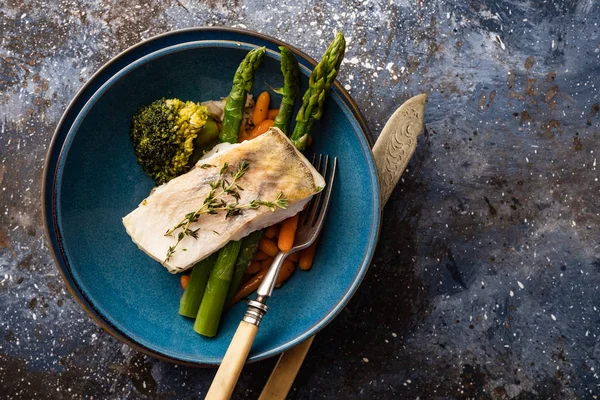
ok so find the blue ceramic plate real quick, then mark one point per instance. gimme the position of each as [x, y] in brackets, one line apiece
[92, 180]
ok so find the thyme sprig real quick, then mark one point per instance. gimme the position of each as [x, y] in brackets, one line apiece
[215, 202]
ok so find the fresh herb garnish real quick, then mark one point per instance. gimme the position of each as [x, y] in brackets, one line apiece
[215, 201]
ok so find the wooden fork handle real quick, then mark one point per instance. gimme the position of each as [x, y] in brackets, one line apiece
[233, 362]
[285, 371]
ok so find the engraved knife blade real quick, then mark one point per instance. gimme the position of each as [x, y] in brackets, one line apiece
[397, 143]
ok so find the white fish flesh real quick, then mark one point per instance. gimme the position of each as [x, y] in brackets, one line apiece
[275, 167]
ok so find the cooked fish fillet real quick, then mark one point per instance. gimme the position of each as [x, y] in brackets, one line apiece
[274, 167]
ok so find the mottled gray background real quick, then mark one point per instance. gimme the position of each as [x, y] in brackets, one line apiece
[485, 281]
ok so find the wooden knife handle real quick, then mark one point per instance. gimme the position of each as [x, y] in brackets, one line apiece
[285, 371]
[227, 376]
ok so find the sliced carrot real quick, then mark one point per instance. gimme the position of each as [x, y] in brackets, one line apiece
[248, 287]
[309, 142]
[272, 231]
[184, 281]
[268, 246]
[265, 264]
[287, 233]
[253, 268]
[294, 257]
[285, 272]
[259, 256]
[261, 108]
[272, 114]
[260, 129]
[307, 256]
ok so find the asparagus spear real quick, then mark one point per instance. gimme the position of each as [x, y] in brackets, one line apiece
[319, 85]
[291, 78]
[249, 246]
[232, 118]
[192, 296]
[242, 84]
[211, 307]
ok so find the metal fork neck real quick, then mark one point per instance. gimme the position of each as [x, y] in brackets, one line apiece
[258, 308]
[265, 290]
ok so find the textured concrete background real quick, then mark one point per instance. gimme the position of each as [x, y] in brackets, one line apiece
[485, 282]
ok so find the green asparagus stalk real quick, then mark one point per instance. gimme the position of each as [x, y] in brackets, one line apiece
[213, 301]
[249, 247]
[291, 79]
[211, 306]
[192, 296]
[319, 85]
[242, 84]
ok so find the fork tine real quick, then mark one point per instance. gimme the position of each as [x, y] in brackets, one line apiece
[314, 212]
[322, 214]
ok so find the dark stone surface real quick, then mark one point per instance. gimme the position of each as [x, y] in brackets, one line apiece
[485, 282]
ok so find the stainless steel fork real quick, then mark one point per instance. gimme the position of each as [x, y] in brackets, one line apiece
[309, 226]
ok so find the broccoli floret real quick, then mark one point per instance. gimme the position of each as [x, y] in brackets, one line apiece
[163, 135]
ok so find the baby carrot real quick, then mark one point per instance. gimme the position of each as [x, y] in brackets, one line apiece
[268, 246]
[272, 114]
[253, 268]
[248, 287]
[294, 257]
[261, 108]
[259, 129]
[307, 256]
[287, 233]
[260, 256]
[285, 272]
[271, 231]
[265, 264]
[184, 281]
